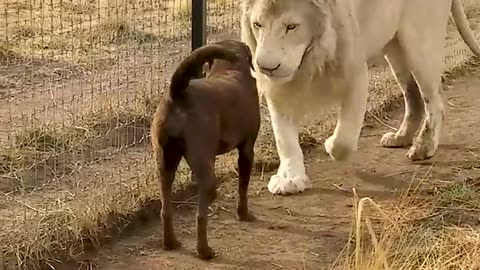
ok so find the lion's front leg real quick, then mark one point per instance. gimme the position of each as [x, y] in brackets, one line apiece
[290, 177]
[350, 120]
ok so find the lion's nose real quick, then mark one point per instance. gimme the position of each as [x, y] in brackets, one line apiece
[267, 70]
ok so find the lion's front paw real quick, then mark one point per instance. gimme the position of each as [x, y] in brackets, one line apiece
[283, 185]
[337, 149]
[392, 140]
[421, 151]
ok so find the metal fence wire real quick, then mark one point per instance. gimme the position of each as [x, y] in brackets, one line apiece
[79, 81]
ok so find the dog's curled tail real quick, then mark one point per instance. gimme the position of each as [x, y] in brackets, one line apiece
[191, 66]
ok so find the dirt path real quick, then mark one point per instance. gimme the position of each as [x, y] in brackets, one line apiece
[308, 231]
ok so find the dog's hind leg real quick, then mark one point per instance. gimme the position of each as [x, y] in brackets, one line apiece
[167, 160]
[245, 164]
[202, 166]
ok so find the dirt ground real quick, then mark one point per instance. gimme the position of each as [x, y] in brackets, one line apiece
[309, 230]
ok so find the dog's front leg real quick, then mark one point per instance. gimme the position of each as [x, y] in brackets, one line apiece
[290, 177]
[352, 113]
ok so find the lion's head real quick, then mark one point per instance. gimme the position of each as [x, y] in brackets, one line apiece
[284, 34]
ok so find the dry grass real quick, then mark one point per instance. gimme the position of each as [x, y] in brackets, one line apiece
[66, 228]
[185, 6]
[437, 231]
[75, 31]
[79, 224]
[119, 31]
[45, 152]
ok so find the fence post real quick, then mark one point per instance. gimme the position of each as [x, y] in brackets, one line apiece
[199, 23]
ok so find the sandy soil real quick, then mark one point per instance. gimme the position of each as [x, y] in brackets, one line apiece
[309, 230]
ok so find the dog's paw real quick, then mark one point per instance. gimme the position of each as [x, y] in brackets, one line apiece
[246, 216]
[338, 149]
[212, 196]
[171, 244]
[205, 253]
[392, 140]
[284, 186]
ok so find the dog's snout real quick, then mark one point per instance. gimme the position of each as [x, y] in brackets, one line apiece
[268, 70]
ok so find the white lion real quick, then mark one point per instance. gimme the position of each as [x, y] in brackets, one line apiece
[312, 51]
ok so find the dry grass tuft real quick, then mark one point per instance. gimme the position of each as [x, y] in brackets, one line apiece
[24, 32]
[119, 31]
[20, 6]
[7, 56]
[78, 8]
[28, 146]
[432, 232]
[464, 195]
[54, 150]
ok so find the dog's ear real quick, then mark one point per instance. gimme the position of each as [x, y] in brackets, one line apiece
[249, 55]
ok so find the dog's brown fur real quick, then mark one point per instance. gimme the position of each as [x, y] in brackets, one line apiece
[200, 119]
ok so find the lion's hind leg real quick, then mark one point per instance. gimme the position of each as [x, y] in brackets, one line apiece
[424, 59]
[426, 143]
[414, 106]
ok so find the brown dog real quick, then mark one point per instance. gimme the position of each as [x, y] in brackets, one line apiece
[200, 119]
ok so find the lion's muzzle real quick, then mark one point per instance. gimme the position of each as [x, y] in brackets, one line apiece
[268, 64]
[267, 70]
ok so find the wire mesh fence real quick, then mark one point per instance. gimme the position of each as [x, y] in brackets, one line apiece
[79, 81]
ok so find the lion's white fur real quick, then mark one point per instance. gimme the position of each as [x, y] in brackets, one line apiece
[312, 52]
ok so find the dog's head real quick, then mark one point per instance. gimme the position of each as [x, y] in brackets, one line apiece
[249, 56]
[219, 65]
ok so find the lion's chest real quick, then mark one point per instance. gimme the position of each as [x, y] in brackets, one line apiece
[328, 86]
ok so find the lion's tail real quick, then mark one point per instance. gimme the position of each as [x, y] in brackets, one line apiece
[461, 21]
[191, 66]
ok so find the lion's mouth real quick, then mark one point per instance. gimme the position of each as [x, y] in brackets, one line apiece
[279, 78]
[276, 75]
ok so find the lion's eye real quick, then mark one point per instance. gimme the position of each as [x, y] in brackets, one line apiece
[257, 24]
[291, 27]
